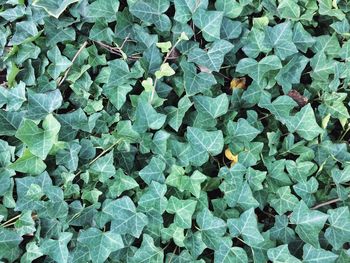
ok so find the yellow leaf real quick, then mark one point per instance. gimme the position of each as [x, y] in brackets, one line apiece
[237, 83]
[229, 155]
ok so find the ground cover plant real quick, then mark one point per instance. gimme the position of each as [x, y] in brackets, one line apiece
[174, 131]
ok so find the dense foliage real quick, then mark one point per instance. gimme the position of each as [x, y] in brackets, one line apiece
[174, 131]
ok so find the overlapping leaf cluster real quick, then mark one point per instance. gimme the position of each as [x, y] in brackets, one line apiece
[115, 116]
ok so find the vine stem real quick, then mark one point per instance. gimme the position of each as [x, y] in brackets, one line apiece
[329, 202]
[74, 58]
[100, 155]
[164, 60]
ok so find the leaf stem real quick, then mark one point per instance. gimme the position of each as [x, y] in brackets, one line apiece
[74, 58]
[10, 220]
[100, 155]
[164, 60]
[329, 202]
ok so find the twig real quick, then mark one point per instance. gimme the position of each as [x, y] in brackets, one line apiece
[100, 155]
[172, 255]
[10, 220]
[329, 202]
[164, 60]
[74, 58]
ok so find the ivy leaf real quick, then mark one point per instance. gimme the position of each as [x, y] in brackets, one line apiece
[284, 200]
[57, 249]
[184, 9]
[309, 223]
[53, 7]
[100, 244]
[153, 171]
[59, 63]
[121, 183]
[204, 143]
[215, 107]
[125, 219]
[117, 95]
[148, 252]
[311, 254]
[247, 227]
[281, 254]
[183, 210]
[104, 167]
[209, 22]
[39, 141]
[28, 163]
[213, 58]
[176, 115]
[24, 31]
[152, 12]
[228, 254]
[9, 242]
[106, 9]
[147, 117]
[304, 123]
[338, 231]
[42, 104]
[196, 82]
[279, 38]
[212, 228]
[257, 70]
[281, 231]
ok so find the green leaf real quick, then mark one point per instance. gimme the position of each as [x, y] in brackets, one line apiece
[176, 115]
[152, 11]
[42, 104]
[59, 63]
[304, 123]
[204, 143]
[309, 223]
[212, 228]
[148, 252]
[213, 57]
[183, 210]
[289, 9]
[231, 9]
[191, 183]
[338, 231]
[146, 117]
[301, 38]
[125, 219]
[153, 171]
[100, 244]
[106, 9]
[39, 141]
[215, 107]
[209, 22]
[103, 167]
[24, 31]
[281, 254]
[229, 254]
[195, 82]
[284, 200]
[257, 70]
[117, 95]
[121, 183]
[290, 74]
[184, 9]
[53, 7]
[247, 227]
[279, 38]
[57, 249]
[311, 254]
[280, 231]
[9, 242]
